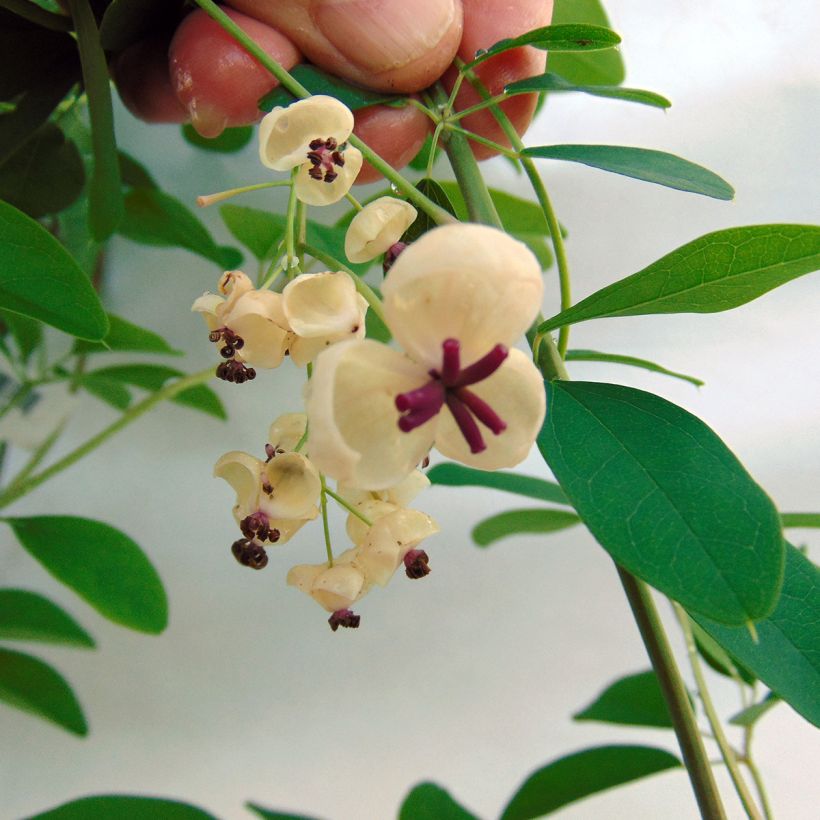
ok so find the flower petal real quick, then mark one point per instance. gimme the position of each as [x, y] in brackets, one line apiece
[257, 317]
[334, 588]
[287, 430]
[372, 509]
[243, 472]
[296, 486]
[322, 304]
[317, 191]
[207, 305]
[354, 434]
[516, 392]
[376, 227]
[467, 282]
[285, 133]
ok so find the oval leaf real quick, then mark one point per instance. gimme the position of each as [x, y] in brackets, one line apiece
[268, 814]
[553, 82]
[632, 361]
[126, 336]
[427, 801]
[635, 700]
[101, 564]
[582, 774]
[456, 475]
[665, 497]
[716, 272]
[123, 807]
[641, 163]
[515, 522]
[27, 616]
[259, 231]
[38, 278]
[785, 656]
[753, 713]
[33, 686]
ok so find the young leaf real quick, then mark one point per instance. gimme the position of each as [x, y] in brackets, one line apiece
[554, 82]
[450, 474]
[583, 774]
[124, 807]
[515, 522]
[229, 141]
[126, 336]
[101, 564]
[635, 700]
[567, 37]
[268, 814]
[33, 686]
[641, 163]
[427, 801]
[800, 519]
[154, 376]
[716, 272]
[105, 191]
[666, 498]
[38, 278]
[717, 657]
[615, 358]
[27, 616]
[785, 655]
[750, 715]
[320, 82]
[259, 231]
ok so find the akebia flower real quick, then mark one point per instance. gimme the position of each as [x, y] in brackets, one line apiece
[456, 299]
[311, 135]
[246, 323]
[377, 228]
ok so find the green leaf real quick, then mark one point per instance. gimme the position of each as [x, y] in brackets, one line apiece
[124, 807]
[539, 245]
[517, 215]
[632, 361]
[107, 390]
[665, 497]
[134, 174]
[320, 82]
[27, 333]
[101, 564]
[583, 774]
[641, 163]
[105, 190]
[420, 161]
[515, 522]
[154, 376]
[785, 656]
[126, 22]
[45, 175]
[553, 82]
[38, 278]
[268, 814]
[716, 272]
[155, 218]
[567, 37]
[424, 222]
[229, 141]
[427, 801]
[33, 686]
[259, 231]
[717, 657]
[750, 715]
[800, 519]
[592, 67]
[27, 616]
[450, 474]
[331, 240]
[635, 700]
[126, 336]
[375, 328]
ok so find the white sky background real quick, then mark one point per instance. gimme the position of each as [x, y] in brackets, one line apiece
[469, 677]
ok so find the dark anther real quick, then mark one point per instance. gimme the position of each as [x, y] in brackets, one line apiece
[338, 159]
[314, 144]
[249, 554]
[316, 173]
[345, 618]
[330, 176]
[226, 352]
[416, 564]
[267, 487]
[270, 452]
[234, 371]
[331, 144]
[323, 156]
[215, 335]
[257, 526]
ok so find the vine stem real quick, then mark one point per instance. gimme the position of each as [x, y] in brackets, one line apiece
[287, 81]
[11, 494]
[349, 507]
[325, 524]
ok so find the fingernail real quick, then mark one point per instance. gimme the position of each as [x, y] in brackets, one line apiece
[383, 34]
[207, 121]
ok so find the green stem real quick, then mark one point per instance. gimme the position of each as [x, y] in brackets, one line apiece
[675, 695]
[36, 457]
[211, 199]
[726, 751]
[349, 507]
[325, 525]
[473, 137]
[353, 201]
[34, 14]
[474, 109]
[759, 785]
[169, 392]
[290, 224]
[437, 213]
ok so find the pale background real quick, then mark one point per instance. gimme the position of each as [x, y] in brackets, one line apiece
[468, 678]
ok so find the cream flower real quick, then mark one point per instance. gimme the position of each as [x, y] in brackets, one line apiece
[455, 300]
[248, 322]
[311, 134]
[321, 309]
[377, 227]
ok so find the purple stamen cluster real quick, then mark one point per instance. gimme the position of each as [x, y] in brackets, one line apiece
[249, 554]
[449, 386]
[345, 618]
[231, 370]
[232, 341]
[416, 564]
[235, 372]
[323, 156]
[257, 527]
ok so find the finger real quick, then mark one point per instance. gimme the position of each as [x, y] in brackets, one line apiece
[388, 45]
[215, 79]
[485, 23]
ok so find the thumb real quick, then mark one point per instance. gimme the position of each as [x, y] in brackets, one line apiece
[391, 45]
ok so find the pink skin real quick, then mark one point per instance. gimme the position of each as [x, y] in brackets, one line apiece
[219, 84]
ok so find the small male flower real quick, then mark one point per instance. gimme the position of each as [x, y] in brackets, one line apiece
[311, 134]
[377, 228]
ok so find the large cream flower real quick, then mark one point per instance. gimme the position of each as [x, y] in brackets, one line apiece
[311, 134]
[455, 300]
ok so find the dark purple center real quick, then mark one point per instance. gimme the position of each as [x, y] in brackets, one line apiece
[449, 386]
[325, 156]
[257, 527]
